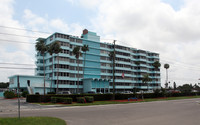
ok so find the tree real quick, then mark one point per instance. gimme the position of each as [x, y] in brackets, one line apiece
[57, 49]
[85, 48]
[174, 86]
[146, 79]
[51, 52]
[186, 88]
[112, 58]
[77, 53]
[163, 91]
[4, 84]
[196, 87]
[166, 66]
[156, 65]
[42, 48]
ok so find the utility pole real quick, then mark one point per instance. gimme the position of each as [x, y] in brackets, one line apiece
[57, 74]
[18, 96]
[114, 54]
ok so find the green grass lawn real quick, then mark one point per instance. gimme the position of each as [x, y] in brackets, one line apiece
[32, 121]
[170, 98]
[117, 102]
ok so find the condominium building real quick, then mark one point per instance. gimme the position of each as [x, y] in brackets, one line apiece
[130, 66]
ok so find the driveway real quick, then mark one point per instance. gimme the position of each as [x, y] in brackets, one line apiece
[11, 105]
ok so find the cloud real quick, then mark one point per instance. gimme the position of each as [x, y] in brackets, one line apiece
[11, 51]
[155, 26]
[22, 53]
[146, 24]
[35, 20]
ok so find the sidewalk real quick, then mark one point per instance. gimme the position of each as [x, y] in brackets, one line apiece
[11, 105]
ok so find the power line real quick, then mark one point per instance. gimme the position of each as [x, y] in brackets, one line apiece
[18, 35]
[181, 63]
[17, 68]
[18, 64]
[15, 41]
[25, 29]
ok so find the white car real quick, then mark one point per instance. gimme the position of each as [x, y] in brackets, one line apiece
[128, 92]
[65, 92]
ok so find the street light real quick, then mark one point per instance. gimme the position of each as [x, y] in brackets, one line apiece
[18, 86]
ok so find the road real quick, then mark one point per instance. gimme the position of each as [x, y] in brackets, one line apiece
[176, 112]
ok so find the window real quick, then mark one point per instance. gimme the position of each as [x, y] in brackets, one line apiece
[72, 39]
[58, 35]
[11, 80]
[78, 40]
[51, 38]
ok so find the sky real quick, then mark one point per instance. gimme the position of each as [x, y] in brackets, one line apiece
[168, 27]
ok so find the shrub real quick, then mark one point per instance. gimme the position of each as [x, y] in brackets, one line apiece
[123, 96]
[53, 99]
[61, 99]
[24, 93]
[89, 99]
[9, 94]
[56, 99]
[51, 93]
[101, 97]
[33, 98]
[157, 93]
[80, 99]
[37, 93]
[67, 100]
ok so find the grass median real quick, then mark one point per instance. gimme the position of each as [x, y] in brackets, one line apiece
[32, 121]
[121, 101]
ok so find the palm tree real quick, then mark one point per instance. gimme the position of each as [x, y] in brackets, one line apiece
[112, 58]
[166, 66]
[85, 48]
[77, 53]
[156, 65]
[42, 48]
[51, 52]
[57, 50]
[174, 85]
[146, 79]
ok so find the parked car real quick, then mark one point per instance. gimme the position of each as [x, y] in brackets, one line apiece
[109, 93]
[65, 92]
[91, 92]
[128, 92]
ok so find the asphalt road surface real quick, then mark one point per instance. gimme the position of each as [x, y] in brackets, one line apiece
[176, 112]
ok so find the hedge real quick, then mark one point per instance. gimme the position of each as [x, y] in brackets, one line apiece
[80, 99]
[9, 94]
[89, 99]
[102, 97]
[61, 100]
[24, 93]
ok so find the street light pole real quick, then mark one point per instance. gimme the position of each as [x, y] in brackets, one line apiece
[18, 96]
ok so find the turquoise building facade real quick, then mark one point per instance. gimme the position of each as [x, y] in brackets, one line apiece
[97, 77]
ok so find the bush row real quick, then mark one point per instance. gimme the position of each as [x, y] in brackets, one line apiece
[88, 99]
[47, 98]
[103, 97]
[11, 94]
[61, 100]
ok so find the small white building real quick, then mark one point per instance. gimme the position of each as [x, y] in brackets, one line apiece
[32, 84]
